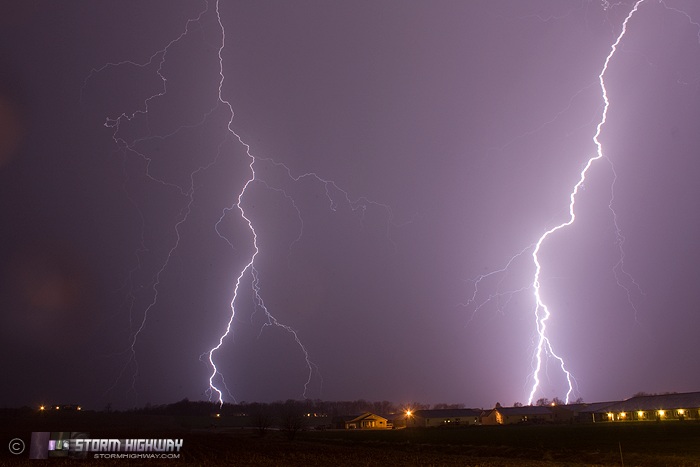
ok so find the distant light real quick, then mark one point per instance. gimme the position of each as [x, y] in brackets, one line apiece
[681, 411]
[640, 414]
[610, 415]
[42, 408]
[409, 413]
[661, 413]
[623, 414]
[58, 408]
[218, 415]
[553, 404]
[79, 408]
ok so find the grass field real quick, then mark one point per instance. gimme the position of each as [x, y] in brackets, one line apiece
[635, 444]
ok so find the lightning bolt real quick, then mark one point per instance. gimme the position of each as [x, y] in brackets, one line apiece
[496, 295]
[542, 312]
[130, 146]
[330, 187]
[624, 279]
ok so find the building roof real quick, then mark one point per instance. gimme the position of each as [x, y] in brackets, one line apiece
[366, 416]
[589, 408]
[524, 410]
[685, 400]
[447, 413]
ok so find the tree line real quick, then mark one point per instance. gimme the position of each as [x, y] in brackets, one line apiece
[314, 407]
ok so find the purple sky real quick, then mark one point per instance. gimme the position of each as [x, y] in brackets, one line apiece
[456, 129]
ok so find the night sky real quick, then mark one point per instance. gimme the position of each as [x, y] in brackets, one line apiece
[402, 150]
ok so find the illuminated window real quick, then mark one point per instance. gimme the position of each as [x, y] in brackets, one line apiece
[623, 414]
[640, 414]
[681, 412]
[661, 413]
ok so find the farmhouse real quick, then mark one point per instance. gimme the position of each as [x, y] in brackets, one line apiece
[368, 421]
[443, 418]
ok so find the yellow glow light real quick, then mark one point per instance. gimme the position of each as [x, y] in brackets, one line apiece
[80, 408]
[58, 408]
[640, 414]
[610, 415]
[408, 413]
[681, 411]
[661, 413]
[623, 414]
[42, 408]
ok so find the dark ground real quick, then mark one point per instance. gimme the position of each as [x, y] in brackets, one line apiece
[641, 444]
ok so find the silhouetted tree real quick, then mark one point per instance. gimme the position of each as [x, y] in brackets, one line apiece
[382, 407]
[261, 417]
[541, 402]
[443, 406]
[517, 404]
[292, 419]
[415, 406]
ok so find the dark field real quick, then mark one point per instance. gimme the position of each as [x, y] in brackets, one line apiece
[643, 444]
